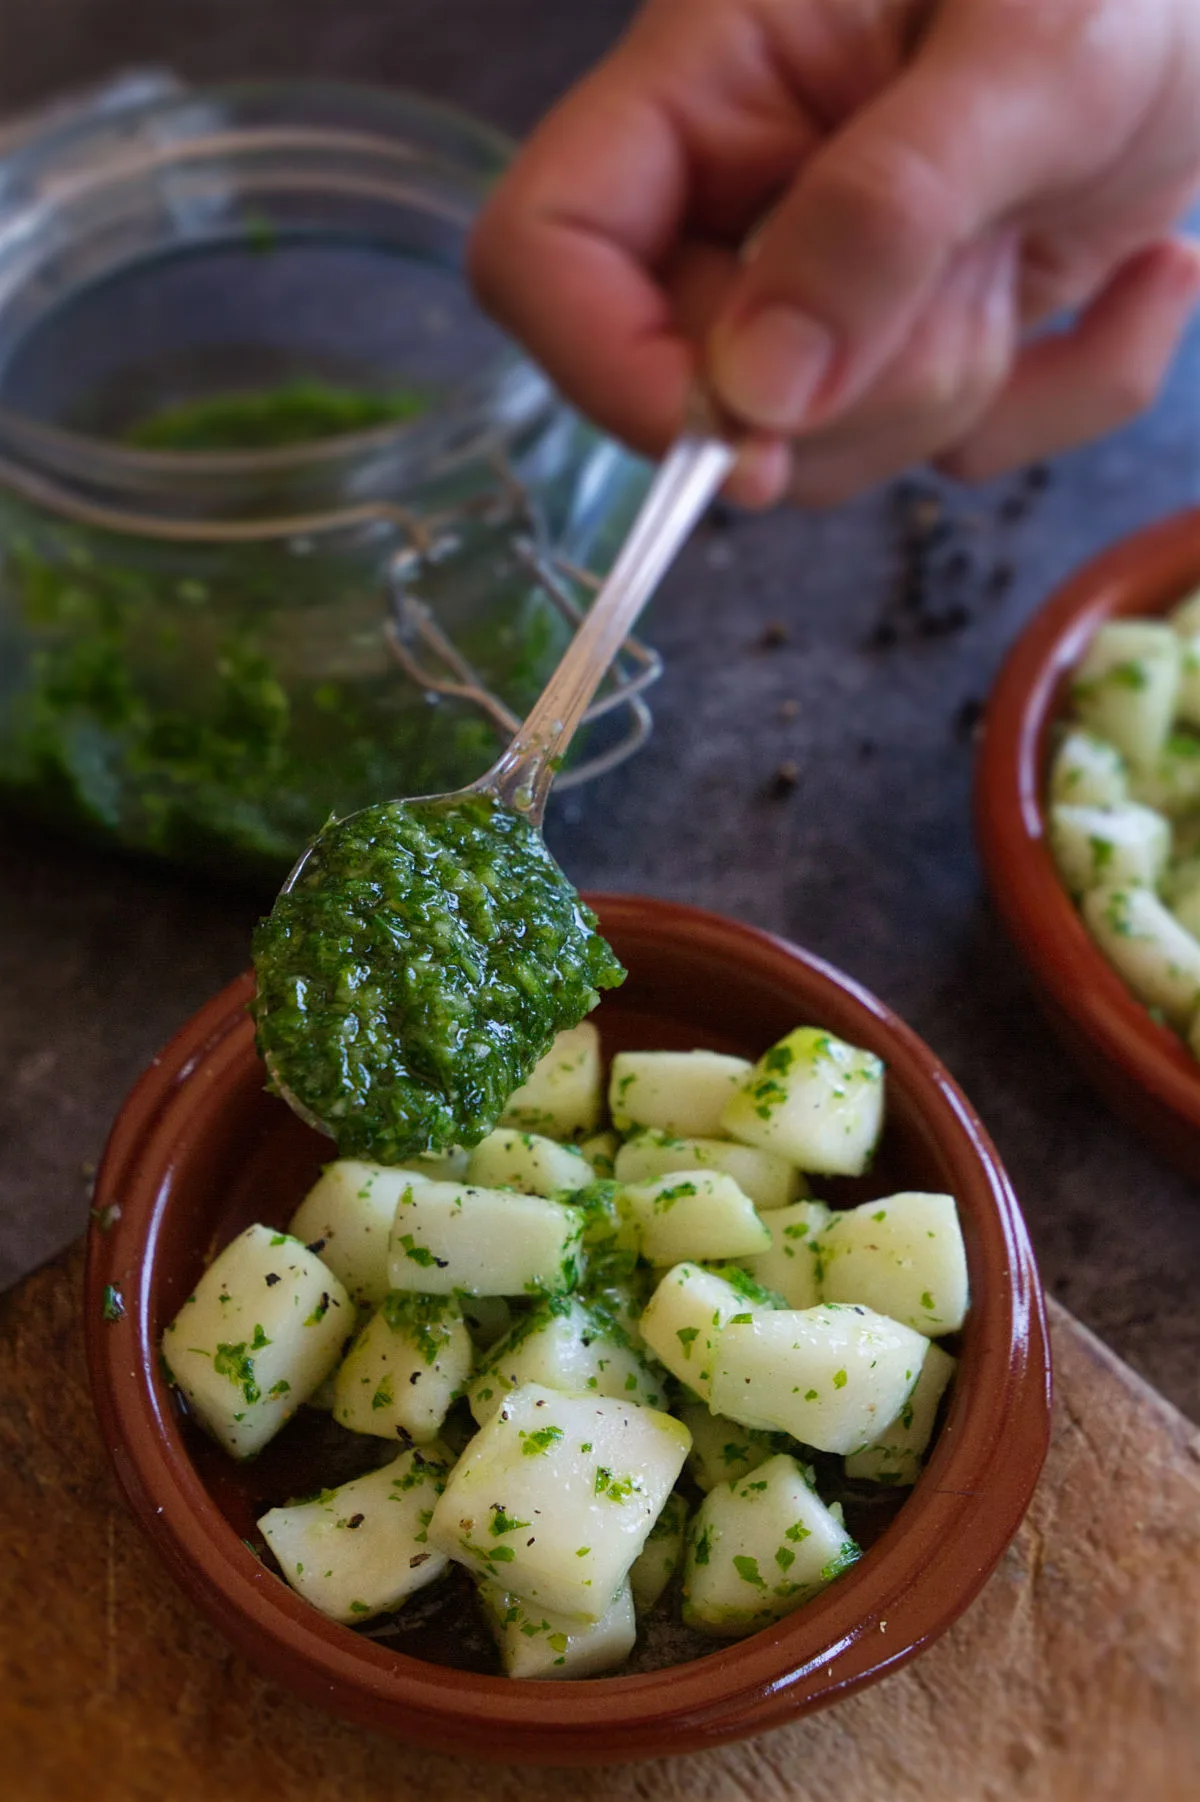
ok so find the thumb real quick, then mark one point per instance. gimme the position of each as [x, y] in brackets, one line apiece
[845, 264]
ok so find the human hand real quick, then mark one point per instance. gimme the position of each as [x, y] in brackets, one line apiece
[926, 186]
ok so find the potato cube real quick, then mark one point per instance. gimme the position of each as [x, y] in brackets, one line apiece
[654, 1567]
[537, 1643]
[1126, 686]
[347, 1217]
[759, 1548]
[814, 1099]
[265, 1325]
[563, 1344]
[722, 1450]
[792, 1267]
[679, 1092]
[1147, 946]
[563, 1093]
[833, 1377]
[526, 1161]
[1087, 772]
[449, 1239]
[409, 1363]
[902, 1256]
[683, 1319]
[688, 1214]
[362, 1549]
[600, 1150]
[1091, 845]
[895, 1457]
[556, 1495]
[769, 1181]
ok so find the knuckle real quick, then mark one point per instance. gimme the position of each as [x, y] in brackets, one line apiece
[893, 196]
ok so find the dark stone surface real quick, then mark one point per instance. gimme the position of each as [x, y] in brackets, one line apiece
[866, 857]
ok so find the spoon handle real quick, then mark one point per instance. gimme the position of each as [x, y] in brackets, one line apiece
[685, 483]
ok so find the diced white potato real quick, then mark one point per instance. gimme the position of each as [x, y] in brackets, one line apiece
[759, 1548]
[441, 1166]
[265, 1325]
[679, 1092]
[683, 1319]
[1187, 911]
[1158, 958]
[895, 1457]
[903, 1256]
[1185, 618]
[1092, 845]
[508, 1159]
[563, 1094]
[833, 1376]
[723, 1450]
[792, 1266]
[657, 1563]
[1180, 879]
[769, 1180]
[322, 1396]
[600, 1150]
[537, 1643]
[690, 1214]
[814, 1099]
[556, 1495]
[362, 1549]
[448, 1238]
[562, 1344]
[487, 1317]
[1087, 772]
[409, 1363]
[1126, 686]
[1187, 706]
[346, 1218]
[1171, 783]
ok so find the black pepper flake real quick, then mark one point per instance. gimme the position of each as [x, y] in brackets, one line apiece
[317, 1247]
[784, 779]
[415, 1377]
[528, 1542]
[271, 1278]
[773, 636]
[418, 1559]
[356, 1520]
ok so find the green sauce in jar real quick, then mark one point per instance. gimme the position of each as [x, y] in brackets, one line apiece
[417, 970]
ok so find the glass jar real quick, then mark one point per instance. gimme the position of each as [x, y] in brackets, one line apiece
[206, 651]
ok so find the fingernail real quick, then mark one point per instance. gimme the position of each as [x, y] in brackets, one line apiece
[767, 368]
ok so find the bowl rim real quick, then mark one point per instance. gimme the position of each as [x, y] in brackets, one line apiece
[1143, 573]
[959, 1518]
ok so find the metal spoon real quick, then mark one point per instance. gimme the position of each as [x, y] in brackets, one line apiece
[520, 779]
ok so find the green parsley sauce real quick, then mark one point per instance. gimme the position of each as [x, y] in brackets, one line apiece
[417, 970]
[302, 411]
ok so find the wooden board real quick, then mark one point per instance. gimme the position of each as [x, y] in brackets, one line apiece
[1074, 1678]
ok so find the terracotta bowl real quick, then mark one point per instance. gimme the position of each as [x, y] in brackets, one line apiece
[199, 1150]
[1143, 1070]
